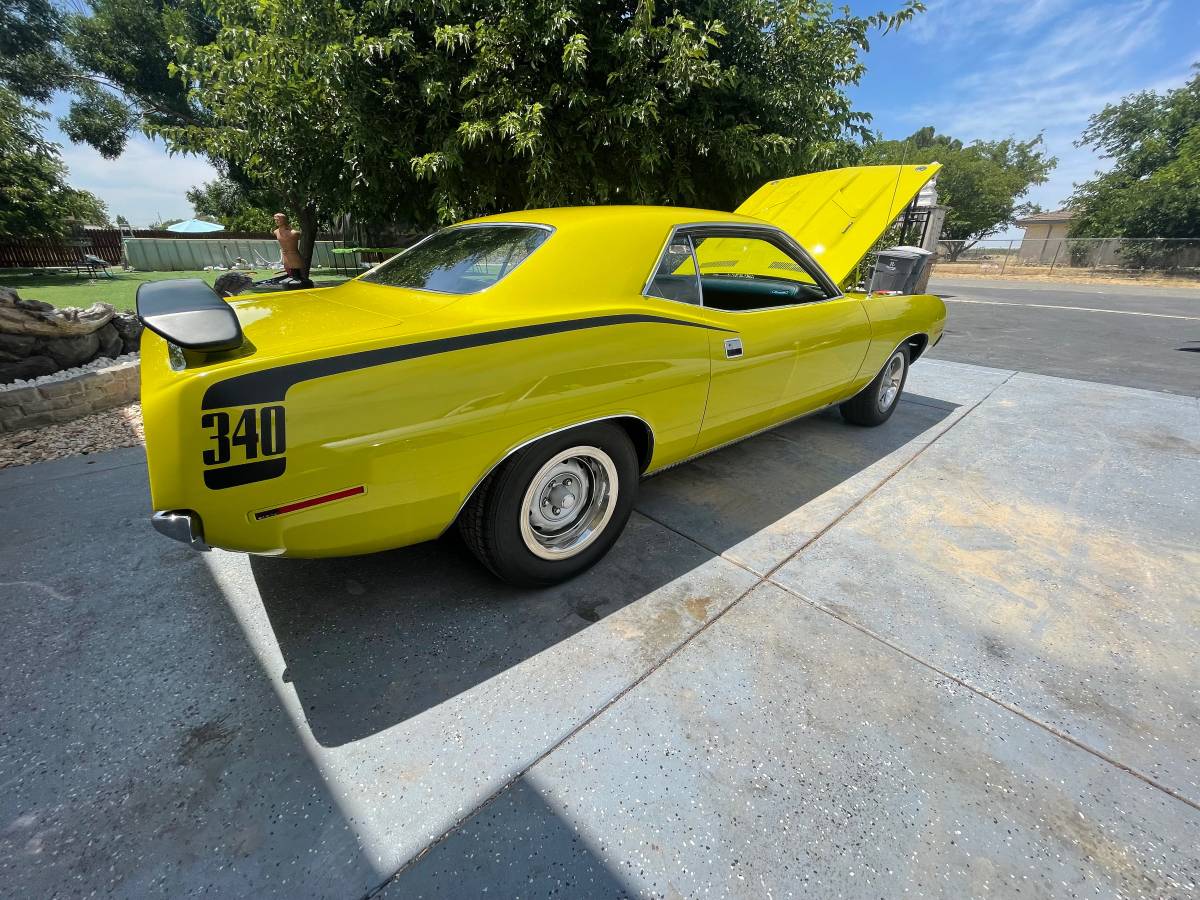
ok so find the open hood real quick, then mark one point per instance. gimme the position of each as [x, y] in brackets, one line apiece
[837, 215]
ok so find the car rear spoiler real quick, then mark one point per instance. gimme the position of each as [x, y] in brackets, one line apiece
[189, 314]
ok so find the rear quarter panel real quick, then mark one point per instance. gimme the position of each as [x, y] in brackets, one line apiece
[419, 434]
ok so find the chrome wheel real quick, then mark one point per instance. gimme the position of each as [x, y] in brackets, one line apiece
[568, 502]
[893, 377]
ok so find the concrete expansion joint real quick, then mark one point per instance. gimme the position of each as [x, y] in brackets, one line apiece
[1003, 704]
[1012, 708]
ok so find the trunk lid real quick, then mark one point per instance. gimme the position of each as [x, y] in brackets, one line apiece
[286, 321]
[838, 215]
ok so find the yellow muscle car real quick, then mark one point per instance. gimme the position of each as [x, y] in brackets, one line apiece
[518, 374]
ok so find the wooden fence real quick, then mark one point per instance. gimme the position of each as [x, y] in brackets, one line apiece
[37, 253]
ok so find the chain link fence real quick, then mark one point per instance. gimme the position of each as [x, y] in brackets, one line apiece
[1071, 258]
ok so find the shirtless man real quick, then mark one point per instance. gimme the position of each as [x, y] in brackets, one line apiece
[289, 244]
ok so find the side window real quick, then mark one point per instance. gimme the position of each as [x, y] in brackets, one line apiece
[675, 278]
[740, 272]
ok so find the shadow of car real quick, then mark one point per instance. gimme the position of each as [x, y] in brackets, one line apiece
[372, 641]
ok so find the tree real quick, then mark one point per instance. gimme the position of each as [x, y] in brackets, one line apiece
[112, 60]
[164, 224]
[83, 208]
[31, 64]
[227, 202]
[697, 103]
[404, 112]
[37, 199]
[980, 183]
[1153, 187]
[120, 56]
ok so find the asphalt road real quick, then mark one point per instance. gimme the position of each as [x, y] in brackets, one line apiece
[1133, 335]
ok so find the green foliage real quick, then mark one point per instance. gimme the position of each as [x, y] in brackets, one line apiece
[1153, 187]
[98, 118]
[227, 202]
[121, 56]
[37, 199]
[426, 113]
[31, 64]
[980, 183]
[112, 58]
[82, 208]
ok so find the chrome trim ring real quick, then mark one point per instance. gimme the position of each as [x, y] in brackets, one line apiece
[893, 377]
[569, 502]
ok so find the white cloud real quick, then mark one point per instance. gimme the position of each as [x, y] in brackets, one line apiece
[1044, 69]
[143, 184]
[956, 22]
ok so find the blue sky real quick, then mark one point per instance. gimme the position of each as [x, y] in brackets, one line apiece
[976, 69]
[1000, 68]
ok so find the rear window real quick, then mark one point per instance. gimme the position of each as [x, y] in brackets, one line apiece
[460, 260]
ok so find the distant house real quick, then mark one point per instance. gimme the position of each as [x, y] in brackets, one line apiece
[1044, 237]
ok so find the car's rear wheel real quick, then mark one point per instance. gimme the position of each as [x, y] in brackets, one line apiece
[553, 509]
[875, 403]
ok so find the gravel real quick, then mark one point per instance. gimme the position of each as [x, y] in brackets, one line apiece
[108, 430]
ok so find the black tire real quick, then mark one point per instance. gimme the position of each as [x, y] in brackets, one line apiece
[491, 522]
[867, 407]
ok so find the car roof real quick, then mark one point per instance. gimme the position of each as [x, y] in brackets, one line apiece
[617, 216]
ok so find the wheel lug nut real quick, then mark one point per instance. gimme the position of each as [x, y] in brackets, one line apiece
[555, 510]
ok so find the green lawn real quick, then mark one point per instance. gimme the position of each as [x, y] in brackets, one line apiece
[67, 289]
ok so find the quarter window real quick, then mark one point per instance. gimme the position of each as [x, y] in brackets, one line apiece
[675, 278]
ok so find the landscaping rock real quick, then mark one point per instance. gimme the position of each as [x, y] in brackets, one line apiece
[72, 351]
[111, 344]
[38, 339]
[30, 367]
[232, 283]
[129, 327]
[17, 346]
[19, 316]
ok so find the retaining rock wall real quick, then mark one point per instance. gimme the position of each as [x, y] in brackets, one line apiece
[69, 394]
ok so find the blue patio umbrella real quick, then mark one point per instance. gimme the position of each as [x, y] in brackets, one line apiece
[195, 226]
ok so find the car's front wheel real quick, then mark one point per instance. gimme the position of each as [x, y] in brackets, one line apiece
[875, 403]
[553, 509]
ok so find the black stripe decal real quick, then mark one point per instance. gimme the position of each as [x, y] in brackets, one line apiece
[271, 385]
[233, 476]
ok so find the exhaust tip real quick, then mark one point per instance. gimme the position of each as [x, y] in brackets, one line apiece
[181, 525]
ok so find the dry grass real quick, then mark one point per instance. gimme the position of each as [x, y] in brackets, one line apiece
[109, 430]
[992, 271]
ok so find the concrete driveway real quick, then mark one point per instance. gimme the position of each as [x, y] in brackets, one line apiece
[953, 656]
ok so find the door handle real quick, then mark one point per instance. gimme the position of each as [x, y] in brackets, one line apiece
[733, 348]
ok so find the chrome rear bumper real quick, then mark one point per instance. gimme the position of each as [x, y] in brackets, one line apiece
[181, 525]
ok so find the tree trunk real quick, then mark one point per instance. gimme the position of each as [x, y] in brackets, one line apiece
[958, 248]
[308, 234]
